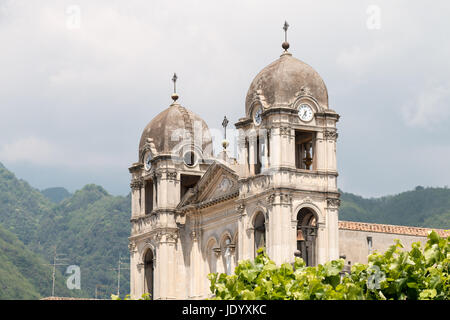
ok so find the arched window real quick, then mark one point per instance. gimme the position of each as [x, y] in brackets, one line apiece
[307, 235]
[259, 226]
[211, 256]
[148, 272]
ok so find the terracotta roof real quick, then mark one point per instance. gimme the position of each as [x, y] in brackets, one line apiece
[388, 228]
[67, 298]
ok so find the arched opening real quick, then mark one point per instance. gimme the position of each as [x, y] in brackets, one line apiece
[259, 226]
[307, 235]
[149, 272]
[211, 256]
[227, 255]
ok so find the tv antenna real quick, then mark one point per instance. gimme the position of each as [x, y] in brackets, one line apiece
[58, 260]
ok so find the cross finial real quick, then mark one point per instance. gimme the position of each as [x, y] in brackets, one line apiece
[225, 142]
[174, 79]
[285, 44]
[224, 125]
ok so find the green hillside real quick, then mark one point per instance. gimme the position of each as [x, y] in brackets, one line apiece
[21, 206]
[56, 195]
[422, 207]
[24, 274]
[90, 228]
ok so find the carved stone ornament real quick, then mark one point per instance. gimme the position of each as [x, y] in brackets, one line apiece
[171, 175]
[217, 251]
[132, 247]
[140, 265]
[240, 208]
[194, 235]
[136, 184]
[330, 135]
[333, 202]
[271, 198]
[285, 131]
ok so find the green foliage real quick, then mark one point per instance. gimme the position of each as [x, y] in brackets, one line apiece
[421, 273]
[90, 227]
[24, 274]
[422, 207]
[56, 195]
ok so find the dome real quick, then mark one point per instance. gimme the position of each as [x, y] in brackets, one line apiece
[285, 79]
[168, 129]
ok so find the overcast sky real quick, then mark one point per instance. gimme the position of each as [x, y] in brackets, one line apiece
[79, 81]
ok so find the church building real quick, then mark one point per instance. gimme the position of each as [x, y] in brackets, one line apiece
[194, 213]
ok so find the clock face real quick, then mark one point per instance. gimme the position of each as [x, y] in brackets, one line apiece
[148, 161]
[257, 118]
[305, 112]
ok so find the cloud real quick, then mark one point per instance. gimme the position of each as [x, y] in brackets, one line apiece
[359, 60]
[430, 108]
[76, 92]
[38, 151]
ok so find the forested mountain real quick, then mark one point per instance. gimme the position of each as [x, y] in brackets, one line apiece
[56, 195]
[91, 228]
[422, 207]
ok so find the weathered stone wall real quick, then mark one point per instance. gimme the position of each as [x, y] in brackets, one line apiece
[354, 244]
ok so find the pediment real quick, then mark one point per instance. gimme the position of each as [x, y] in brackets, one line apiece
[218, 181]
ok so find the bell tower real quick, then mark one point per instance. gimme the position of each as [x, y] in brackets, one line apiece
[175, 150]
[287, 153]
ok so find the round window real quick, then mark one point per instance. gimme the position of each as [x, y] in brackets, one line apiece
[190, 159]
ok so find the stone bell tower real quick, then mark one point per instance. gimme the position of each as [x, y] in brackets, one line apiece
[174, 152]
[287, 153]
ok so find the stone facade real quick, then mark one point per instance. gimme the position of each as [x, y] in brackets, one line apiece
[193, 213]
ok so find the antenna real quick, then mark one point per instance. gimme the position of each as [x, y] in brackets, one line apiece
[57, 261]
[118, 269]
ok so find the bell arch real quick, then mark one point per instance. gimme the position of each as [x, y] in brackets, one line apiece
[307, 234]
[259, 231]
[149, 272]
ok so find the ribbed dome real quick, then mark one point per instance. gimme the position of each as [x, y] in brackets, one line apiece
[164, 130]
[283, 79]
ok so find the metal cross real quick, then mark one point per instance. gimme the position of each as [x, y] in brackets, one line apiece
[285, 28]
[174, 79]
[224, 125]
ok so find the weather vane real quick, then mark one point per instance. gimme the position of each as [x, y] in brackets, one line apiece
[174, 79]
[285, 44]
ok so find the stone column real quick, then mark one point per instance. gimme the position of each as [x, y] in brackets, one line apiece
[331, 137]
[167, 264]
[333, 228]
[322, 244]
[133, 268]
[136, 187]
[278, 227]
[195, 268]
[320, 156]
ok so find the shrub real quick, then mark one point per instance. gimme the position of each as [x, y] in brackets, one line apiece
[421, 273]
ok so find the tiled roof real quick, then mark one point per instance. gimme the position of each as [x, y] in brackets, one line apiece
[387, 228]
[67, 298]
